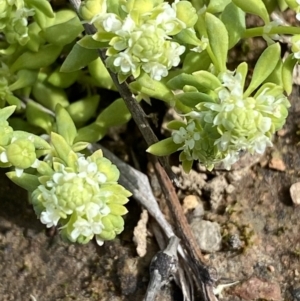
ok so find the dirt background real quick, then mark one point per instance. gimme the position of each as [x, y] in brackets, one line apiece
[252, 204]
[259, 226]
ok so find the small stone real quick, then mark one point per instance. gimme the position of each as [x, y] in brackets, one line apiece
[230, 189]
[271, 268]
[198, 211]
[234, 242]
[207, 234]
[295, 193]
[255, 288]
[190, 202]
[282, 132]
[277, 164]
[140, 234]
[296, 294]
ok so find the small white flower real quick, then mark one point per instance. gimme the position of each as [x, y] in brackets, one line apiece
[203, 45]
[233, 82]
[260, 143]
[230, 159]
[125, 62]
[3, 157]
[81, 227]
[187, 135]
[50, 217]
[86, 228]
[127, 27]
[173, 54]
[110, 22]
[89, 171]
[156, 70]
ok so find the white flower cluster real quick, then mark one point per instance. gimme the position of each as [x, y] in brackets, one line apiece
[76, 199]
[233, 123]
[142, 40]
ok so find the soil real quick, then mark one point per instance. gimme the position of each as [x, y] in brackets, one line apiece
[259, 226]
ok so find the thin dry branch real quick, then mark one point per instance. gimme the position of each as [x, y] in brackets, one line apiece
[197, 263]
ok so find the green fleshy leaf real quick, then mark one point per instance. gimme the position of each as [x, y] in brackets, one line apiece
[79, 146]
[35, 41]
[187, 165]
[195, 61]
[242, 68]
[116, 220]
[218, 40]
[234, 20]
[117, 209]
[217, 6]
[61, 146]
[255, 7]
[61, 79]
[192, 99]
[83, 110]
[282, 5]
[65, 125]
[264, 67]
[176, 125]
[21, 125]
[202, 80]
[115, 114]
[207, 79]
[108, 226]
[91, 133]
[276, 76]
[42, 5]
[6, 112]
[39, 143]
[163, 148]
[107, 235]
[156, 89]
[72, 160]
[100, 74]
[89, 43]
[63, 33]
[38, 117]
[120, 199]
[46, 56]
[287, 73]
[13, 101]
[25, 78]
[78, 58]
[188, 36]
[26, 181]
[41, 19]
[49, 96]
[44, 169]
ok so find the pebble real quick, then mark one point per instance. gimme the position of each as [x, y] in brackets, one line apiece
[255, 288]
[235, 242]
[207, 234]
[277, 164]
[190, 202]
[296, 294]
[295, 193]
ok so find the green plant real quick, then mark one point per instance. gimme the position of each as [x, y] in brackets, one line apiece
[174, 52]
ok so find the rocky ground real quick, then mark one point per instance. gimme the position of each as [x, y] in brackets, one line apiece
[245, 220]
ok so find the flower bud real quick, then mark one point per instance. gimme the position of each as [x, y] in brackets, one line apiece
[186, 13]
[90, 8]
[21, 153]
